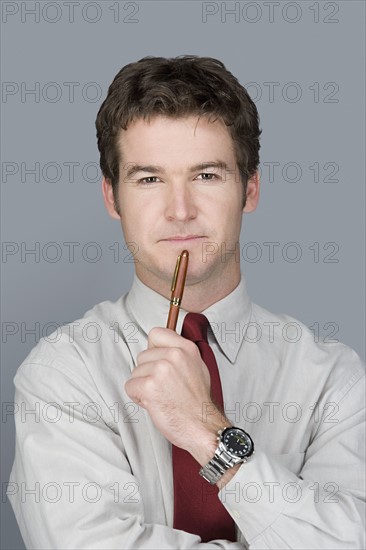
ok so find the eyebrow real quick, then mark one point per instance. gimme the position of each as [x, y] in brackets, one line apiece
[154, 169]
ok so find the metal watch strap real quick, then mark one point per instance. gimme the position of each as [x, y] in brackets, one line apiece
[217, 466]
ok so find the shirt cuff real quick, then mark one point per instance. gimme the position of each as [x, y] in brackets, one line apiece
[257, 494]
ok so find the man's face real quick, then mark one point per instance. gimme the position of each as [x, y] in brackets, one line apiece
[179, 189]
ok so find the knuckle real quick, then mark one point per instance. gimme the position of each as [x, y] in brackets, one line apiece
[192, 349]
[148, 385]
[154, 332]
[163, 369]
[130, 388]
[175, 355]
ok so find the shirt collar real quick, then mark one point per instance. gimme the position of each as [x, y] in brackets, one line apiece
[228, 317]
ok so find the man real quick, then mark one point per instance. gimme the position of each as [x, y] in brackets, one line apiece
[132, 454]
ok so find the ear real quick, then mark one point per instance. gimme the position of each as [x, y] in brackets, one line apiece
[109, 199]
[252, 193]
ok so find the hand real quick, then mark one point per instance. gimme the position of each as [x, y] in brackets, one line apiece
[172, 383]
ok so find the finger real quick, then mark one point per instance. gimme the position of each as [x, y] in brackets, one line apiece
[146, 369]
[172, 354]
[151, 354]
[134, 390]
[165, 337]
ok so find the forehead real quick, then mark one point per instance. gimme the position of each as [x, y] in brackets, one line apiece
[163, 139]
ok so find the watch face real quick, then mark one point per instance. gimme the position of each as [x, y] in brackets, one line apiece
[237, 442]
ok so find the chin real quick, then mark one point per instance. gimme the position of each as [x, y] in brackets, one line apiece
[198, 273]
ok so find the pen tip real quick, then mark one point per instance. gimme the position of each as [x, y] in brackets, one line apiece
[185, 253]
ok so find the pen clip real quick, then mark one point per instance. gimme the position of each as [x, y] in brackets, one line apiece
[174, 281]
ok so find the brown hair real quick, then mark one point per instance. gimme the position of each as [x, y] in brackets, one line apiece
[177, 87]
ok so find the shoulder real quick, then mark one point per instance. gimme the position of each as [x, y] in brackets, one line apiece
[299, 348]
[77, 350]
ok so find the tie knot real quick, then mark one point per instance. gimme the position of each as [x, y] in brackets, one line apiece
[195, 327]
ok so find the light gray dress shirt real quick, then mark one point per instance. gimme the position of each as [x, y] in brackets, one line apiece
[92, 471]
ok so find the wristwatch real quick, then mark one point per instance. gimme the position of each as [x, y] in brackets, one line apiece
[235, 447]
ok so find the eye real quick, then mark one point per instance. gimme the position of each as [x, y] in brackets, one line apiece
[207, 176]
[148, 180]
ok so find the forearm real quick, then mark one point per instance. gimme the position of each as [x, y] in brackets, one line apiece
[274, 508]
[71, 484]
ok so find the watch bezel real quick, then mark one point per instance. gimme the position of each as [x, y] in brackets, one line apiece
[237, 457]
[223, 459]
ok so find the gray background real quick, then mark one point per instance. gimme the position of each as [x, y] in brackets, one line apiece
[302, 43]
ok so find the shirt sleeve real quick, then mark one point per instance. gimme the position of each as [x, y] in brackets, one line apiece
[71, 485]
[324, 506]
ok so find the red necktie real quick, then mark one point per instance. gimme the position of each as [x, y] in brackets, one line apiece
[197, 508]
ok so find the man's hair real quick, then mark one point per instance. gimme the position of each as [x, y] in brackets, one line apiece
[177, 87]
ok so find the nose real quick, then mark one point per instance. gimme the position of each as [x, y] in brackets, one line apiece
[180, 203]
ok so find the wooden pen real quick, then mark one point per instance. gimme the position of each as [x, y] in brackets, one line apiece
[179, 279]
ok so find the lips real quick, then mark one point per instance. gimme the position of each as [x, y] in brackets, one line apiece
[184, 238]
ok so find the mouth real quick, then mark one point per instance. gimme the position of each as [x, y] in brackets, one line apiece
[184, 238]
